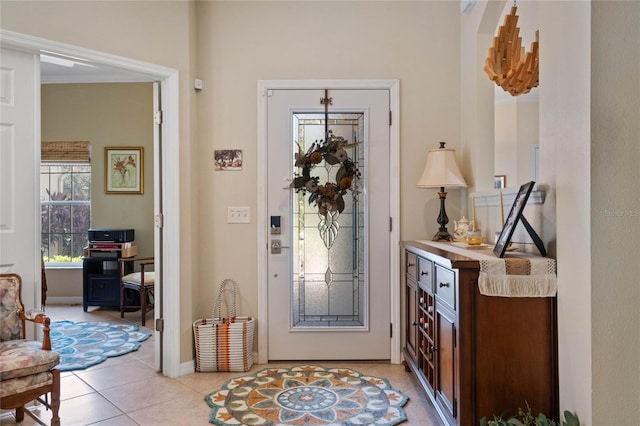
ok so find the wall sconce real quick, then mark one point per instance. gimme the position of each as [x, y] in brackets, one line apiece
[442, 171]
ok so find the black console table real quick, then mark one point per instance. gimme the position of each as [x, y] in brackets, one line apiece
[100, 268]
[100, 282]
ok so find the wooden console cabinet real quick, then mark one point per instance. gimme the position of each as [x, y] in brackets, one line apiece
[475, 355]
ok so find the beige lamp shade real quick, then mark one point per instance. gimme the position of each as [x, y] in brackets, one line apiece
[442, 170]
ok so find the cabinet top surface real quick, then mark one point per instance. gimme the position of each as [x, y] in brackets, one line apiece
[455, 255]
[443, 252]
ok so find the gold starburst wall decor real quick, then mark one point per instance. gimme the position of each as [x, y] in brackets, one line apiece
[507, 64]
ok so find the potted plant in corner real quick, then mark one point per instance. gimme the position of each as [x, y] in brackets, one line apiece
[525, 418]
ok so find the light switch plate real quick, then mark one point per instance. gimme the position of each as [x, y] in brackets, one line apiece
[238, 215]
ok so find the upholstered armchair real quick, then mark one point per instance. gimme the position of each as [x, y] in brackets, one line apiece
[26, 366]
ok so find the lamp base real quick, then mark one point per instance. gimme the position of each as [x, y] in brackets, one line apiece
[442, 236]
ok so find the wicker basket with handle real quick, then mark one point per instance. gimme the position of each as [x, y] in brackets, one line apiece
[224, 343]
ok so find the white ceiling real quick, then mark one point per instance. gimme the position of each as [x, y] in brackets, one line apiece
[56, 68]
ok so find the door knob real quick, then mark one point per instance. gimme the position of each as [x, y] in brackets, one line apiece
[276, 246]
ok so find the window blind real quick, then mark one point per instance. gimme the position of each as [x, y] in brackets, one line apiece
[65, 151]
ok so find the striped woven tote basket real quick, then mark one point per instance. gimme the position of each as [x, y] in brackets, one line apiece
[224, 343]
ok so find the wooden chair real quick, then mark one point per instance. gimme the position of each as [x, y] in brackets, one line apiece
[143, 281]
[26, 366]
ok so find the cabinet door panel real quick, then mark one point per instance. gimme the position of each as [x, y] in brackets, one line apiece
[104, 288]
[411, 328]
[446, 361]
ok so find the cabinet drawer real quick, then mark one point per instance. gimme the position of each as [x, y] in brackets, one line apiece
[411, 265]
[445, 283]
[103, 288]
[425, 274]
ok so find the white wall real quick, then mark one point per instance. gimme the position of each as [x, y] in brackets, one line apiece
[240, 43]
[506, 133]
[614, 212]
[564, 170]
[516, 129]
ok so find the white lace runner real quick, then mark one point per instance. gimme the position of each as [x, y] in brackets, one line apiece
[517, 275]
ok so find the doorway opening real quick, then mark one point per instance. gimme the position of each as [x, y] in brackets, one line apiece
[166, 177]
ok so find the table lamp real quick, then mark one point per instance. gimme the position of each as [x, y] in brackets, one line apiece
[442, 171]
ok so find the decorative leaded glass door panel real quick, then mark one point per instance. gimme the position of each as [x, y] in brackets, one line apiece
[329, 283]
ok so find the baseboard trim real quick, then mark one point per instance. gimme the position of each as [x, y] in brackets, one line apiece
[188, 367]
[74, 300]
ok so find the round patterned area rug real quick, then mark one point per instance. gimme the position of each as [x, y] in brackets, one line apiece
[307, 395]
[83, 344]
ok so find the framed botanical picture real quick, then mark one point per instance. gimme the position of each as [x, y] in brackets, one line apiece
[123, 170]
[500, 181]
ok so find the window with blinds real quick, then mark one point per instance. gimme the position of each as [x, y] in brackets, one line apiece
[65, 199]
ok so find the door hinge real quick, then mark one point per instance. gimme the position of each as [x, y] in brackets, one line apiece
[390, 224]
[390, 117]
[391, 330]
[160, 324]
[158, 220]
[157, 117]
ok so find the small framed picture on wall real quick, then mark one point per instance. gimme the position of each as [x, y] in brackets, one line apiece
[500, 181]
[123, 170]
[228, 159]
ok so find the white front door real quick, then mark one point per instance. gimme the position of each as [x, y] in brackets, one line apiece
[19, 171]
[328, 271]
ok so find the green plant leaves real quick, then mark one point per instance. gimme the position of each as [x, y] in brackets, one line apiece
[525, 418]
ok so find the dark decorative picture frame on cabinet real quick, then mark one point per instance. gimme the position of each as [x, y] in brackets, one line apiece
[515, 215]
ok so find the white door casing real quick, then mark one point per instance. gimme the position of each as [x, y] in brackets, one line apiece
[20, 171]
[383, 301]
[158, 311]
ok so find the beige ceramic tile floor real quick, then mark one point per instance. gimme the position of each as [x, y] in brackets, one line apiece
[127, 390]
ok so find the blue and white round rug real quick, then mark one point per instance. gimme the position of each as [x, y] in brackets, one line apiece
[83, 344]
[307, 395]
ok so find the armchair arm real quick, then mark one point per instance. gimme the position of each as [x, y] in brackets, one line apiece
[142, 261]
[38, 317]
